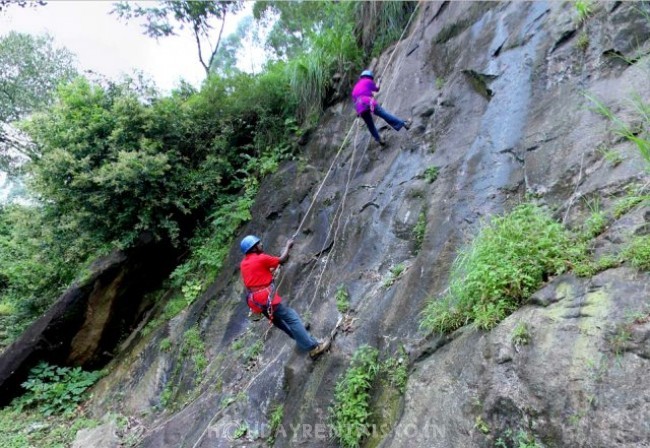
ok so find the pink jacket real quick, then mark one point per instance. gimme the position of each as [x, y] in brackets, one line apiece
[362, 95]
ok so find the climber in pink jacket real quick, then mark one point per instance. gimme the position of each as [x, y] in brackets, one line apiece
[366, 105]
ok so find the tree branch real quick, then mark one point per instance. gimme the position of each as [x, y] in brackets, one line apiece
[216, 47]
[198, 47]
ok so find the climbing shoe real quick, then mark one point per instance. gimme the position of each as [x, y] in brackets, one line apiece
[382, 141]
[320, 348]
[407, 124]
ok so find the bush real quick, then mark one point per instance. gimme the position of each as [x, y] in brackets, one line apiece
[638, 252]
[342, 299]
[351, 408]
[56, 390]
[507, 261]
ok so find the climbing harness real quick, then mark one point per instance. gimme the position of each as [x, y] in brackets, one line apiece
[266, 308]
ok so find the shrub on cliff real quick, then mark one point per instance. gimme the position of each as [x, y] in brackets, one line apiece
[508, 260]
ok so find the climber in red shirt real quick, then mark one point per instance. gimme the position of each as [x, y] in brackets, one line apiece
[257, 273]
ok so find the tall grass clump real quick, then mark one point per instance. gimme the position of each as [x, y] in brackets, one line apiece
[639, 133]
[332, 49]
[379, 24]
[507, 261]
[351, 408]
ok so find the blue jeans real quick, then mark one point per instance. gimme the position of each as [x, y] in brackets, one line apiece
[392, 120]
[287, 320]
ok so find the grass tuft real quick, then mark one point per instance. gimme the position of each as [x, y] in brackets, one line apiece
[507, 261]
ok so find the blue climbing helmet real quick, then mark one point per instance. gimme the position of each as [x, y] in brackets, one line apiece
[248, 243]
[367, 73]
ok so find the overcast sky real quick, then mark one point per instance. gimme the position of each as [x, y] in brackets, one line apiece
[107, 45]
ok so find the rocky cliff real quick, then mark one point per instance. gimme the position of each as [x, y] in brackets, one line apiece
[499, 96]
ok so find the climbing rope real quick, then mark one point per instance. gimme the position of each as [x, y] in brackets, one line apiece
[336, 221]
[394, 49]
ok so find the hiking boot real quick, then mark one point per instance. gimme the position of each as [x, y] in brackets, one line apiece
[320, 348]
[407, 124]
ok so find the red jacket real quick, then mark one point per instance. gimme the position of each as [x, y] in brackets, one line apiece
[257, 274]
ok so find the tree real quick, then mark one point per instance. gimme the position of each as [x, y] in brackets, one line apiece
[292, 23]
[31, 68]
[4, 4]
[163, 19]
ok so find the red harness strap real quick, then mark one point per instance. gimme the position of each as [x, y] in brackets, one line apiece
[266, 308]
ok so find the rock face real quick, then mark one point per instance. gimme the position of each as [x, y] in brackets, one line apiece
[497, 96]
[85, 325]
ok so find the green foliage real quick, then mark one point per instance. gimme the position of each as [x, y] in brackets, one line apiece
[194, 347]
[275, 420]
[610, 155]
[520, 334]
[31, 69]
[520, 439]
[240, 431]
[379, 24]
[431, 174]
[620, 338]
[639, 134]
[166, 16]
[507, 261]
[440, 83]
[584, 9]
[254, 350]
[342, 299]
[393, 274]
[582, 43]
[56, 390]
[37, 262]
[628, 202]
[585, 267]
[191, 290]
[351, 408]
[395, 369]
[596, 223]
[638, 252]
[30, 428]
[165, 345]
[481, 425]
[419, 231]
[333, 50]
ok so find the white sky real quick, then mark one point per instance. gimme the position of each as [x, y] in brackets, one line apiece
[105, 44]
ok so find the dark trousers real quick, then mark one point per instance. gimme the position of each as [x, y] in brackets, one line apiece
[392, 120]
[287, 320]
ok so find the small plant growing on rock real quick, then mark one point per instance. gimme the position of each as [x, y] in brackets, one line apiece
[596, 223]
[520, 439]
[521, 335]
[240, 431]
[582, 43]
[638, 252]
[584, 9]
[274, 423]
[254, 351]
[342, 299]
[419, 230]
[481, 425]
[396, 370]
[351, 408]
[431, 174]
[394, 274]
[610, 155]
[165, 345]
